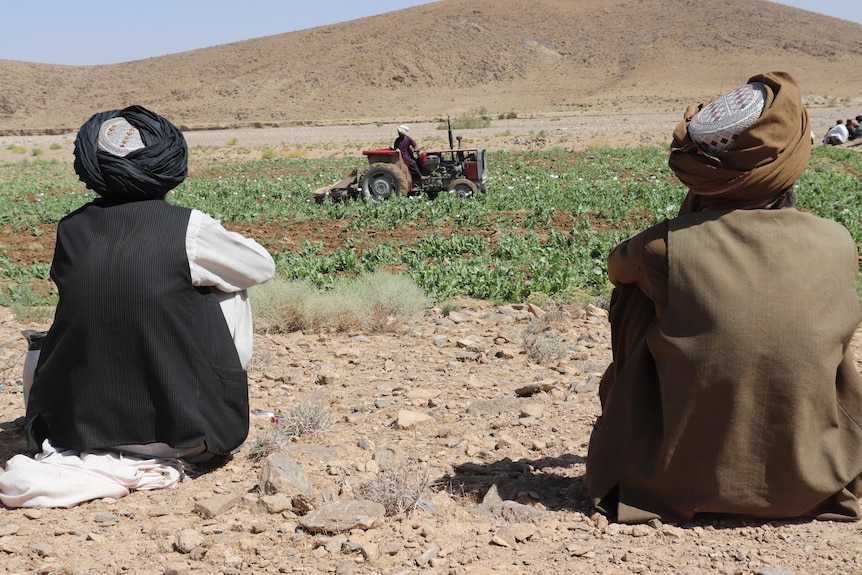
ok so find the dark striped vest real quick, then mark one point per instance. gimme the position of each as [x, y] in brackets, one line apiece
[136, 354]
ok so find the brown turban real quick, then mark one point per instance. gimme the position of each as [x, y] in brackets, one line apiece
[763, 162]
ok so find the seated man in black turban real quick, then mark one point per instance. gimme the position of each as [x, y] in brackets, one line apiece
[147, 350]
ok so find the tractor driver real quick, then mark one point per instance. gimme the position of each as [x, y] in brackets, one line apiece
[408, 148]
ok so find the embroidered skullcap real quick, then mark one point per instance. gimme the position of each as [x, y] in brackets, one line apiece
[759, 165]
[130, 154]
[402, 129]
[718, 124]
[118, 137]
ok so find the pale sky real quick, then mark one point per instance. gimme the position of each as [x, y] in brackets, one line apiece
[91, 32]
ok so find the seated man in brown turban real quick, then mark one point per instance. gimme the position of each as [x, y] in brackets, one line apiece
[733, 389]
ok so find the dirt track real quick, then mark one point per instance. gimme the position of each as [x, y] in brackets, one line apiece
[572, 132]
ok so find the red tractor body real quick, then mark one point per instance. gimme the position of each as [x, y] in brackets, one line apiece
[458, 171]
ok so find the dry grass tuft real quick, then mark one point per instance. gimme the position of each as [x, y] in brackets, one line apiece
[399, 489]
[302, 420]
[380, 302]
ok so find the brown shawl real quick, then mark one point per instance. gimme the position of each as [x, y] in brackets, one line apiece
[739, 395]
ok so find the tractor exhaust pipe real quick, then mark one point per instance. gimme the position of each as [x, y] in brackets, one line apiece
[449, 125]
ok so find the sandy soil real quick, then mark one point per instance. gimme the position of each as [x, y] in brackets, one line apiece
[576, 132]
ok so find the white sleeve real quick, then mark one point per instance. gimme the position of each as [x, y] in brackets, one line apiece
[226, 260]
[230, 263]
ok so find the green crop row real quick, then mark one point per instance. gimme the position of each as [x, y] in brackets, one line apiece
[546, 224]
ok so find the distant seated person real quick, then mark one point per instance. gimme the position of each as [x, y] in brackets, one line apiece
[408, 148]
[733, 389]
[837, 134]
[147, 351]
[854, 130]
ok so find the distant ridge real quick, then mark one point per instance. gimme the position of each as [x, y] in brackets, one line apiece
[528, 57]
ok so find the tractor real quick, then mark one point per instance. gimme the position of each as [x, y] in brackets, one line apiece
[459, 171]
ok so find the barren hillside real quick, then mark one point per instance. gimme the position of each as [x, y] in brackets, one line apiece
[530, 57]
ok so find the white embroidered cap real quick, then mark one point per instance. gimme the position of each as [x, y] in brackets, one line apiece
[118, 137]
[719, 123]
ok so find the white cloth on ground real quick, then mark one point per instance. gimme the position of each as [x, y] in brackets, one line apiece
[837, 134]
[66, 478]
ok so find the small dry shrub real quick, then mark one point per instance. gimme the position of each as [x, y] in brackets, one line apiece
[303, 419]
[295, 153]
[399, 489]
[378, 302]
[542, 343]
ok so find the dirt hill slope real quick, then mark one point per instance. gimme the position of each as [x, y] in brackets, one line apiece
[531, 57]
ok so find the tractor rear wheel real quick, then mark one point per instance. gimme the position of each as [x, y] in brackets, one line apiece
[463, 188]
[383, 181]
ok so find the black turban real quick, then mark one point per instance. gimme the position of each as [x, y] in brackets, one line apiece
[147, 173]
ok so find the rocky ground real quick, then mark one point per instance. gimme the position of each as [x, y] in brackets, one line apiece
[453, 406]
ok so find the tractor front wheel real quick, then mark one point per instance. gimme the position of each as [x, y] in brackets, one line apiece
[383, 181]
[463, 188]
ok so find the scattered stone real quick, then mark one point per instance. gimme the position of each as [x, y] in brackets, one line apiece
[457, 317]
[534, 388]
[773, 571]
[334, 544]
[590, 385]
[209, 508]
[276, 503]
[532, 409]
[328, 376]
[423, 394]
[599, 520]
[12, 544]
[593, 311]
[303, 503]
[407, 419]
[504, 537]
[105, 518]
[370, 552]
[427, 555]
[42, 549]
[579, 549]
[188, 539]
[342, 516]
[177, 568]
[493, 406]
[523, 531]
[536, 310]
[282, 474]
